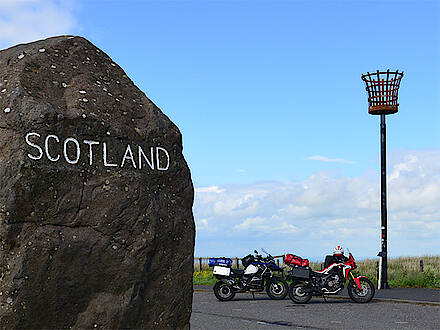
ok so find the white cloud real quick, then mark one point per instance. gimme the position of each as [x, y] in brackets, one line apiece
[323, 210]
[266, 225]
[211, 189]
[25, 21]
[416, 176]
[203, 225]
[249, 223]
[331, 160]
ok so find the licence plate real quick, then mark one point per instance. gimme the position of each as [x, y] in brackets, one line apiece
[219, 270]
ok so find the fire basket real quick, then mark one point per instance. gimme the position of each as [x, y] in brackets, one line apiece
[382, 88]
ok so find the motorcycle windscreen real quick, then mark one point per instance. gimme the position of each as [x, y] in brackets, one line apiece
[251, 269]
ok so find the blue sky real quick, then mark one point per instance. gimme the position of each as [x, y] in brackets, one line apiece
[273, 112]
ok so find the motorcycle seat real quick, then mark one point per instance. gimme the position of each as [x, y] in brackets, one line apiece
[237, 271]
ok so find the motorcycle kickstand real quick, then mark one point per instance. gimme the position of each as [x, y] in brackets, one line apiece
[253, 295]
[325, 299]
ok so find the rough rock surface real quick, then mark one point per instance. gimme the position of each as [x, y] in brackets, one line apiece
[96, 223]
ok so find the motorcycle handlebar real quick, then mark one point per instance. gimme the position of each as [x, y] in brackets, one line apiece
[268, 259]
[264, 259]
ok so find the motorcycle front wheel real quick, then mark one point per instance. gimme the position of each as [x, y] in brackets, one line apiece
[277, 289]
[223, 291]
[363, 295]
[298, 294]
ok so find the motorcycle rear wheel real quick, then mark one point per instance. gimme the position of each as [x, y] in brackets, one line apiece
[297, 293]
[361, 296]
[223, 291]
[277, 289]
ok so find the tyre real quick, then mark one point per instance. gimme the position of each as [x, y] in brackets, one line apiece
[223, 291]
[298, 294]
[277, 289]
[365, 294]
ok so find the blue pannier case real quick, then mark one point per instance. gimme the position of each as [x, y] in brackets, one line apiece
[226, 262]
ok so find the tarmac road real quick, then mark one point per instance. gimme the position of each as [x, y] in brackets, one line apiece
[243, 312]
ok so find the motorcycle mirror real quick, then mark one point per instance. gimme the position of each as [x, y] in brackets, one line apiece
[255, 251]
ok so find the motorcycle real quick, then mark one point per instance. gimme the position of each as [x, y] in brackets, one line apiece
[329, 281]
[259, 273]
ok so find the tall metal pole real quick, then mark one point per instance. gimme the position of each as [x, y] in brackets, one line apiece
[382, 88]
[383, 205]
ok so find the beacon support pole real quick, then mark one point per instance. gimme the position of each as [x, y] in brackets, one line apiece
[383, 204]
[383, 88]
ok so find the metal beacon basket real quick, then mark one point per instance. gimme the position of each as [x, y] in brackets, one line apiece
[382, 88]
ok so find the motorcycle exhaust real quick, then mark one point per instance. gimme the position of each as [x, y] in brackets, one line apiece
[228, 281]
[331, 292]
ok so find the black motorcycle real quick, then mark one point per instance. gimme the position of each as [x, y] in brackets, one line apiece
[259, 273]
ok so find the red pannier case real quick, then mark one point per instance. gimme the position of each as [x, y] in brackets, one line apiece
[293, 260]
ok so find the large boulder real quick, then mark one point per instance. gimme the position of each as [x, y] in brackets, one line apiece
[96, 223]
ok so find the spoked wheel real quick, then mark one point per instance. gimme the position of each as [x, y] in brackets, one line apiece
[223, 291]
[363, 295]
[298, 294]
[277, 289]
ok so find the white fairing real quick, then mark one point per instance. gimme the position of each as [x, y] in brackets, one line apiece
[251, 269]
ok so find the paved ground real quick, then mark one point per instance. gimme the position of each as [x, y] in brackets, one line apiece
[411, 294]
[391, 309]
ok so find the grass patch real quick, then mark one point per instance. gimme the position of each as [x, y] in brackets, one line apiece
[427, 279]
[204, 277]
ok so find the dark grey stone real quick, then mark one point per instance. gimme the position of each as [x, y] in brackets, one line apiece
[92, 235]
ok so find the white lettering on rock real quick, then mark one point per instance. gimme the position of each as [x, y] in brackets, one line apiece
[130, 157]
[46, 147]
[90, 143]
[78, 151]
[157, 158]
[40, 151]
[104, 155]
[142, 155]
